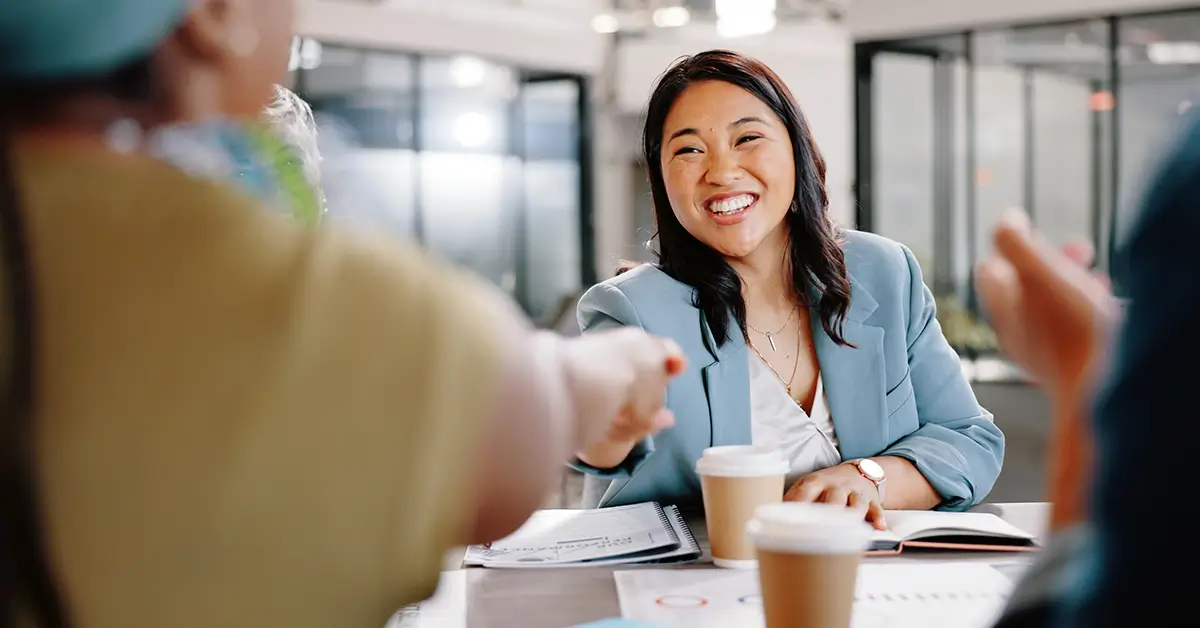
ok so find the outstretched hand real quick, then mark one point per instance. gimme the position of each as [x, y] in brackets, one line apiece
[1053, 317]
[1051, 314]
[626, 370]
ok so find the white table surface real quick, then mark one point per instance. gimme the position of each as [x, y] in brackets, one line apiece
[557, 598]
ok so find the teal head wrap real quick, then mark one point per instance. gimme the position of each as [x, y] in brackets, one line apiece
[63, 39]
[47, 40]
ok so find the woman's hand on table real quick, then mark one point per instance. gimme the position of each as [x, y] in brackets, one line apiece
[841, 485]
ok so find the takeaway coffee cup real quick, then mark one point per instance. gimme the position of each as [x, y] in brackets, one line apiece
[736, 480]
[808, 557]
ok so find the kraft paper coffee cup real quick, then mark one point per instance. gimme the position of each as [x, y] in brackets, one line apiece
[736, 480]
[808, 557]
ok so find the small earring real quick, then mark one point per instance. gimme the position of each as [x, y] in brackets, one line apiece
[244, 41]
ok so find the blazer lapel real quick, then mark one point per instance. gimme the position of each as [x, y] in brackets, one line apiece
[854, 379]
[727, 385]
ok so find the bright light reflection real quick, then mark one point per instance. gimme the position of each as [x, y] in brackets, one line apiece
[472, 130]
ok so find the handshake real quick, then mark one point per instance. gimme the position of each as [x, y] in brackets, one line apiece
[617, 382]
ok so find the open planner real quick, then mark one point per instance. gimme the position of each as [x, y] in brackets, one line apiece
[951, 531]
[623, 535]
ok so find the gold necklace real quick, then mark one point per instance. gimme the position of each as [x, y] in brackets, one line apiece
[771, 334]
[786, 384]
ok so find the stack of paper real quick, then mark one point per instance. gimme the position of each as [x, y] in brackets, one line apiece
[637, 533]
[949, 595]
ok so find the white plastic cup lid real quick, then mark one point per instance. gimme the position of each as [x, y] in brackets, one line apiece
[741, 461]
[809, 528]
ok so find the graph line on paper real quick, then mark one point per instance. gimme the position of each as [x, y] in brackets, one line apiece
[964, 595]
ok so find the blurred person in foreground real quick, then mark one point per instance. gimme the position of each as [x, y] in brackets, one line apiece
[211, 415]
[820, 341]
[1122, 451]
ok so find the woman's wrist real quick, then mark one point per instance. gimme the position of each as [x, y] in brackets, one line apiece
[907, 487]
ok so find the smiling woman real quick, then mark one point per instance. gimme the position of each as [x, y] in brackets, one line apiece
[818, 341]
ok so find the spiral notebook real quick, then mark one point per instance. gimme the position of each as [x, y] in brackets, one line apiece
[643, 533]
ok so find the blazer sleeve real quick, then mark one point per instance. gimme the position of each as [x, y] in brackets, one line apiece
[603, 307]
[957, 446]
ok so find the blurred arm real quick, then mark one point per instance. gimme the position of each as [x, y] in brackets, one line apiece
[601, 308]
[453, 417]
[1144, 503]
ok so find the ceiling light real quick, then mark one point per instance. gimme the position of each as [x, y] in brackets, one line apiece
[671, 17]
[741, 18]
[733, 8]
[467, 71]
[744, 26]
[1173, 52]
[604, 23]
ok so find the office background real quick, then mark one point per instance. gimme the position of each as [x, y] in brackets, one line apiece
[503, 134]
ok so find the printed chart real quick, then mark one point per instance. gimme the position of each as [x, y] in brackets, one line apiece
[953, 595]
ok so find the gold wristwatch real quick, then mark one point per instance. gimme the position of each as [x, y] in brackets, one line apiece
[873, 471]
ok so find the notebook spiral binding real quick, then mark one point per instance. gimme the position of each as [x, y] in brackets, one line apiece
[665, 519]
[689, 542]
[691, 538]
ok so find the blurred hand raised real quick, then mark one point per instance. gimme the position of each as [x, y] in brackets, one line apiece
[624, 374]
[1053, 317]
[1050, 313]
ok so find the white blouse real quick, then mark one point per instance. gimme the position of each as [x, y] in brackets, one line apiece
[807, 442]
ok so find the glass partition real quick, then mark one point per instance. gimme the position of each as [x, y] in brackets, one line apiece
[552, 175]
[1160, 84]
[481, 163]
[365, 102]
[1063, 120]
[469, 174]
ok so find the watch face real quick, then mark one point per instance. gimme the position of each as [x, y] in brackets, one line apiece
[871, 469]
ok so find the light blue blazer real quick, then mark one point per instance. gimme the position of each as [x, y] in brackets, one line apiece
[899, 392]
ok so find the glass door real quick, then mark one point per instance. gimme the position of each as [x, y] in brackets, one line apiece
[552, 240]
[914, 156]
[954, 130]
[900, 194]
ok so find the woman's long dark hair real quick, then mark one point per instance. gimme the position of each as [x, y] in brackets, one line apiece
[817, 260]
[28, 586]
